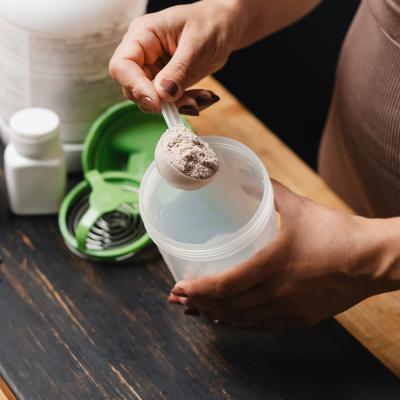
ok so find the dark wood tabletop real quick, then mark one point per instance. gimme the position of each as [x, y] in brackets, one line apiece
[74, 329]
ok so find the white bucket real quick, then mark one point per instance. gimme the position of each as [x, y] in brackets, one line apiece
[215, 228]
[55, 54]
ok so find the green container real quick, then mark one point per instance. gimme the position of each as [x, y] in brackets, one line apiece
[99, 219]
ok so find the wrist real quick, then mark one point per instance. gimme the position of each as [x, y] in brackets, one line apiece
[372, 261]
[388, 269]
[236, 21]
[375, 253]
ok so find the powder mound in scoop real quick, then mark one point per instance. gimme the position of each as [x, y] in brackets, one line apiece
[189, 154]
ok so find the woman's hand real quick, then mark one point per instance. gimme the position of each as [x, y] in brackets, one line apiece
[164, 53]
[321, 263]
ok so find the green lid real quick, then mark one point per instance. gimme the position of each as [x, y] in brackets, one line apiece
[95, 203]
[123, 139]
[99, 218]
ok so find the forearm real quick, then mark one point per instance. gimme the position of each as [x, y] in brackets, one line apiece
[255, 19]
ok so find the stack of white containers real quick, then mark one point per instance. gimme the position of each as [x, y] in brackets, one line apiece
[55, 54]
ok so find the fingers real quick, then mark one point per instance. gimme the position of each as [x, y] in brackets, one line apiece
[127, 66]
[187, 105]
[251, 284]
[218, 286]
[283, 196]
[143, 65]
[292, 206]
[254, 297]
[181, 71]
[171, 81]
[137, 86]
[287, 203]
[230, 283]
[196, 100]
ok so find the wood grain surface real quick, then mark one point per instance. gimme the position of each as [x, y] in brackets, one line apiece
[73, 329]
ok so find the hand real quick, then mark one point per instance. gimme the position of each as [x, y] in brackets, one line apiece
[164, 53]
[321, 263]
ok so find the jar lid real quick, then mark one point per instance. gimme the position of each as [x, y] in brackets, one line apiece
[34, 125]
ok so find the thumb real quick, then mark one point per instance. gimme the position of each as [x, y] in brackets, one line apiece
[287, 203]
[178, 74]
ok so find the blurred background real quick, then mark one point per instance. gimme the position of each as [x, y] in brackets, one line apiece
[287, 79]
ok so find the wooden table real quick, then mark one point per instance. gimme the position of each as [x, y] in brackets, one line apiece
[72, 329]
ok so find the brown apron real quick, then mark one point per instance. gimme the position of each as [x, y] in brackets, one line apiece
[360, 150]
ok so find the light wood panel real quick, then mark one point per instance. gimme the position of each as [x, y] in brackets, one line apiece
[374, 322]
[5, 392]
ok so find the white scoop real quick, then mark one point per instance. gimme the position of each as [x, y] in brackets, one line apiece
[164, 165]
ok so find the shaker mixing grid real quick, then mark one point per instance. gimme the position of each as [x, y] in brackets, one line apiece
[113, 230]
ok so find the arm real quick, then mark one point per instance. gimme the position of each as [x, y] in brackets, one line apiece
[257, 19]
[164, 53]
[321, 263]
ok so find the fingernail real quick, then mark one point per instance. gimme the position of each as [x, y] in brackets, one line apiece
[192, 312]
[170, 87]
[189, 110]
[178, 291]
[205, 100]
[146, 104]
[215, 97]
[181, 300]
[174, 300]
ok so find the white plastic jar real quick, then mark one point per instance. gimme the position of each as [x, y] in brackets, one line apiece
[215, 228]
[55, 54]
[34, 163]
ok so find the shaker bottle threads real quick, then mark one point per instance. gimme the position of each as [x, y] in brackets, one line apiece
[34, 163]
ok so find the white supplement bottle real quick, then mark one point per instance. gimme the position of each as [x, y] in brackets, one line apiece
[34, 163]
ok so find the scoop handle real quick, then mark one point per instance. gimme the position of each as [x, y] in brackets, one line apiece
[171, 114]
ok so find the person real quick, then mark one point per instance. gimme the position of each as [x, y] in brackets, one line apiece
[322, 261]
